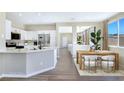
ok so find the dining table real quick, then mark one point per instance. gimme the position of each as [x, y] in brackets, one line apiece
[81, 53]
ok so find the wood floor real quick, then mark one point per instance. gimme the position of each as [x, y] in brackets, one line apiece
[65, 71]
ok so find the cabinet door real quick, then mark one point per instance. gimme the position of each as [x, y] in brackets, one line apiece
[8, 29]
[14, 30]
[35, 35]
[52, 39]
[26, 35]
[29, 35]
[22, 35]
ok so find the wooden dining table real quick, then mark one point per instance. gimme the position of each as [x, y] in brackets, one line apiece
[81, 53]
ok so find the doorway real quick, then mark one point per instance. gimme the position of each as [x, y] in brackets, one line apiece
[65, 33]
[64, 41]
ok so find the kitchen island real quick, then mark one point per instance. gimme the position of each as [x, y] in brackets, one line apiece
[27, 63]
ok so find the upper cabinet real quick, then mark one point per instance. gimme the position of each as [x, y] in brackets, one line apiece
[31, 35]
[8, 29]
[21, 32]
[53, 38]
[23, 36]
[16, 30]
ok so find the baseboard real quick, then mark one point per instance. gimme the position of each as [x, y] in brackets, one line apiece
[38, 72]
[14, 75]
[26, 76]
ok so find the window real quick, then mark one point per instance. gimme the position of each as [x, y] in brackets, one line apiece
[121, 32]
[113, 33]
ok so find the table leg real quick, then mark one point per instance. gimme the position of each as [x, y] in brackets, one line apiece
[117, 62]
[81, 63]
[77, 58]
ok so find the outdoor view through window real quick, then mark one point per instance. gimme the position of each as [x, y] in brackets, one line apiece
[113, 33]
[121, 32]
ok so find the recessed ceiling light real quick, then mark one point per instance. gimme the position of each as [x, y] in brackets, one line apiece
[20, 14]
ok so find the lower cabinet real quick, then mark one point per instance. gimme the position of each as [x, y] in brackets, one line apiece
[27, 64]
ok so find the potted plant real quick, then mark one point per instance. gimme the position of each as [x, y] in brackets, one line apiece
[79, 40]
[95, 39]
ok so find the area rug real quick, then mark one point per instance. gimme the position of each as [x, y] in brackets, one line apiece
[98, 73]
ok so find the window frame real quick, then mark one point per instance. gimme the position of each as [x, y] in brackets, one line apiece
[117, 33]
[118, 45]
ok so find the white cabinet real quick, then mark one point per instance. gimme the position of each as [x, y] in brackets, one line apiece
[35, 36]
[20, 31]
[8, 28]
[25, 35]
[31, 35]
[16, 30]
[22, 34]
[53, 39]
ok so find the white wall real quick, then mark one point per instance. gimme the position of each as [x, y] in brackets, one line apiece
[1, 66]
[119, 50]
[2, 30]
[40, 27]
[69, 38]
[2, 36]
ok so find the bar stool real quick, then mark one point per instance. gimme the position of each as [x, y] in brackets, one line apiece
[108, 62]
[90, 62]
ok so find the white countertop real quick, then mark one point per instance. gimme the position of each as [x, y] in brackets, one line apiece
[25, 50]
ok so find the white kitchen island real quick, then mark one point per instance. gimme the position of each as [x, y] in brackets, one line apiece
[26, 63]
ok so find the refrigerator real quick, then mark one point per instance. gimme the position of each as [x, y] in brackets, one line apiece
[43, 40]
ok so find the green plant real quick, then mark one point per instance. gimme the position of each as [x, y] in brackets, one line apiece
[95, 38]
[79, 40]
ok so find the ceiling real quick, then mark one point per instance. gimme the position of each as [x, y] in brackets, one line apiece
[55, 17]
